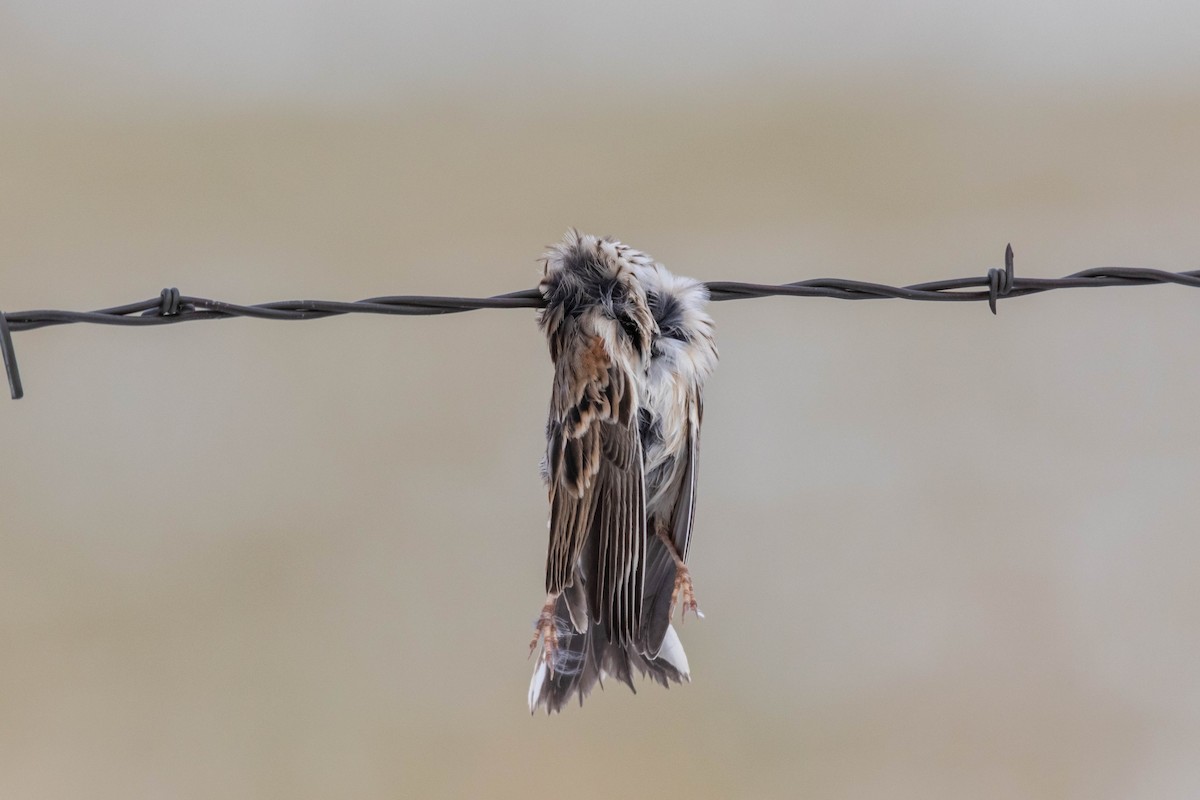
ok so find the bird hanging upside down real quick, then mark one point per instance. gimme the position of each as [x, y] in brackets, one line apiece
[631, 347]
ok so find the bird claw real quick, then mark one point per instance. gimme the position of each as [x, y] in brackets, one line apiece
[546, 631]
[683, 584]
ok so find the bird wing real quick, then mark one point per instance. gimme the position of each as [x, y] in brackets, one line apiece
[597, 487]
[684, 513]
[660, 569]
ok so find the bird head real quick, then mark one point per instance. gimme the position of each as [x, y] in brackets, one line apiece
[593, 282]
[684, 341]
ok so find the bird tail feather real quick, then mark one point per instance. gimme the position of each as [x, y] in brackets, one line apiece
[585, 658]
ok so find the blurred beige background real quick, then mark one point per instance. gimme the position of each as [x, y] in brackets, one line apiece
[942, 554]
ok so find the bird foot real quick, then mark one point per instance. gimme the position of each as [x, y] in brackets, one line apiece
[547, 631]
[683, 586]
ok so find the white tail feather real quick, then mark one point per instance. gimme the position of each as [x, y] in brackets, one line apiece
[535, 685]
[672, 653]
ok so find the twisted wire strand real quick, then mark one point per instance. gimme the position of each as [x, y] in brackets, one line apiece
[172, 307]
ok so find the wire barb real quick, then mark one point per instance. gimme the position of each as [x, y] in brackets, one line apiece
[10, 360]
[171, 306]
[1000, 283]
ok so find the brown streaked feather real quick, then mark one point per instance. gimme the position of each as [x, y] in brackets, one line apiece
[620, 532]
[596, 484]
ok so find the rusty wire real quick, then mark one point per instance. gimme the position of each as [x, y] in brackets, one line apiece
[171, 306]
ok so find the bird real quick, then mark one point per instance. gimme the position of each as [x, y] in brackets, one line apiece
[631, 347]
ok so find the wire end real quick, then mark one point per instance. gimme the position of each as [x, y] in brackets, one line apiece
[10, 360]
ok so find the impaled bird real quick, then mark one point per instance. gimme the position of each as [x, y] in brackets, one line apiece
[631, 347]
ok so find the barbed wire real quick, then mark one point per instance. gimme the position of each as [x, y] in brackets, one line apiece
[172, 307]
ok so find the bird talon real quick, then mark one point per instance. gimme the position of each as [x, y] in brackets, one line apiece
[546, 631]
[683, 583]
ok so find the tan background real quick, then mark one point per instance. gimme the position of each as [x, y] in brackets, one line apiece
[942, 554]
